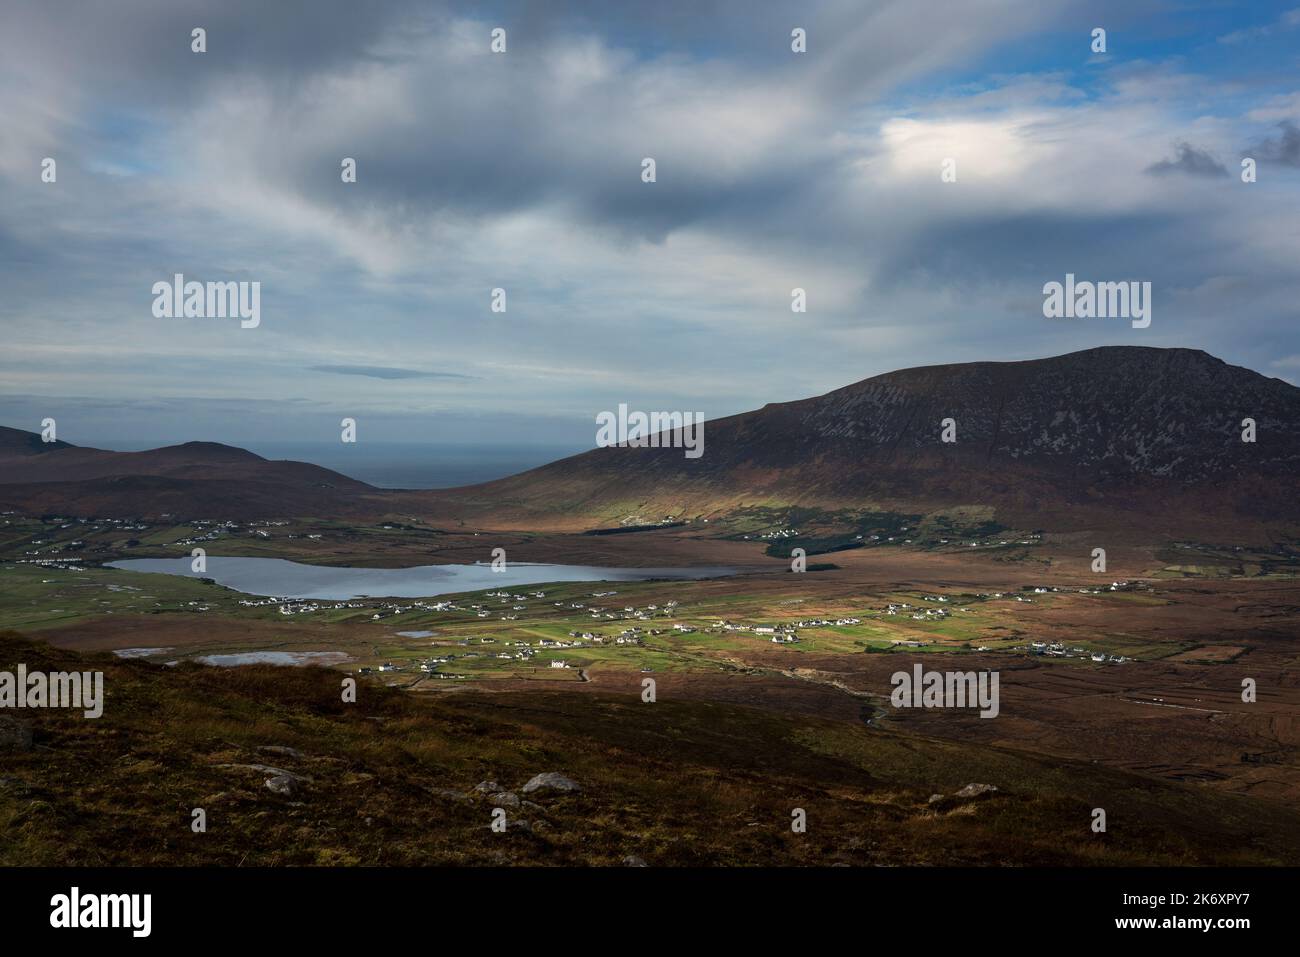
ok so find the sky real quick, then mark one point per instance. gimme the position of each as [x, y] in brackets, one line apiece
[522, 170]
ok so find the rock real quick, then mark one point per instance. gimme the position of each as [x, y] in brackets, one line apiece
[505, 799]
[488, 787]
[633, 861]
[282, 750]
[936, 798]
[530, 806]
[283, 784]
[15, 735]
[265, 769]
[975, 790]
[551, 780]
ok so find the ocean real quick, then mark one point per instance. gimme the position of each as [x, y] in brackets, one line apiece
[402, 465]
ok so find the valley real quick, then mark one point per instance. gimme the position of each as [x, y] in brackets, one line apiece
[699, 712]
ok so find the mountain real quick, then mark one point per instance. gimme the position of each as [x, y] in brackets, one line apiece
[1119, 436]
[15, 444]
[195, 480]
[1119, 433]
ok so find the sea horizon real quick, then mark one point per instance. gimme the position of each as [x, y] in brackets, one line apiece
[397, 465]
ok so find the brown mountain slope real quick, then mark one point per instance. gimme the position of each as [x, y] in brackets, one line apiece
[1116, 434]
[15, 444]
[1112, 437]
[195, 480]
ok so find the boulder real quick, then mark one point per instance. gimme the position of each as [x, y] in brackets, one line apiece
[283, 784]
[282, 750]
[553, 781]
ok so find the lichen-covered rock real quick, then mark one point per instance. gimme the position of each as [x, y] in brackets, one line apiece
[975, 790]
[551, 781]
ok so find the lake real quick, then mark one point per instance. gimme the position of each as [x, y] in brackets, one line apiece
[280, 578]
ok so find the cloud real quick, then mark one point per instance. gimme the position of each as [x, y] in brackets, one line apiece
[1284, 148]
[387, 372]
[1191, 161]
[522, 171]
[1289, 20]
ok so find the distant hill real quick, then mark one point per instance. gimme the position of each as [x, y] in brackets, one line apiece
[1110, 434]
[14, 443]
[196, 479]
[1111, 437]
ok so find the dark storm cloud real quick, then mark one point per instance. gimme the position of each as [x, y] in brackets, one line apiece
[1031, 249]
[524, 171]
[138, 51]
[1189, 160]
[1283, 148]
[478, 135]
[560, 120]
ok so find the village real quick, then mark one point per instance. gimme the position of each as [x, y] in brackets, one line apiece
[646, 628]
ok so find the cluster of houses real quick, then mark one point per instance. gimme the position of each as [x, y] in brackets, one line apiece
[430, 666]
[55, 552]
[522, 652]
[827, 622]
[931, 614]
[1033, 539]
[556, 643]
[1056, 649]
[1113, 586]
[629, 636]
[299, 608]
[631, 611]
[782, 634]
[61, 564]
[216, 529]
[505, 596]
[398, 609]
[935, 612]
[119, 524]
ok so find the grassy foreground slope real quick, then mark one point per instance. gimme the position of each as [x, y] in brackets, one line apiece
[391, 780]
